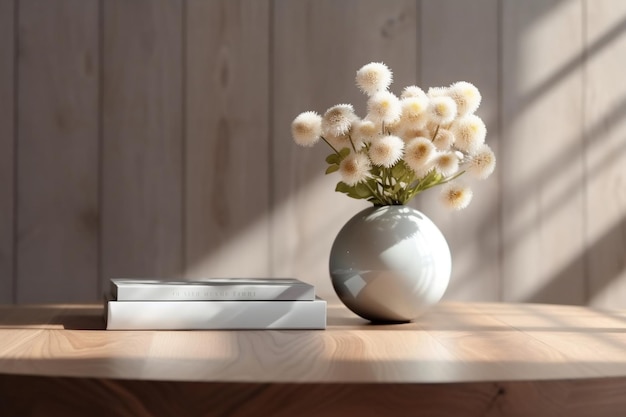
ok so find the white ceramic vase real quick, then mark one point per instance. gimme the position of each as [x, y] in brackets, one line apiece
[390, 264]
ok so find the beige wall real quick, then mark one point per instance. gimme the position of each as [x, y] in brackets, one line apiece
[151, 138]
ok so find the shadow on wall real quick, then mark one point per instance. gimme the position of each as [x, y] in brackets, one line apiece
[609, 266]
[591, 139]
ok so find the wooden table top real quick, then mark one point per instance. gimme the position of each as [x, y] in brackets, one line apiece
[454, 342]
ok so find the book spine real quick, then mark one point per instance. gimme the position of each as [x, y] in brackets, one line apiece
[208, 315]
[164, 292]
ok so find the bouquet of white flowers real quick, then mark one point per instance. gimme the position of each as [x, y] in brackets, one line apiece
[404, 145]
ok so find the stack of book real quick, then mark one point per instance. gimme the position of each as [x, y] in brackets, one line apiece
[231, 303]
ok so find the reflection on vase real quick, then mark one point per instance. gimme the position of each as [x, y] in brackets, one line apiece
[390, 263]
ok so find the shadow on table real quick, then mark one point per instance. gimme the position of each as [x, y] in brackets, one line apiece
[69, 317]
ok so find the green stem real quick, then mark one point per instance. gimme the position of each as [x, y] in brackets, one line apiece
[374, 193]
[331, 146]
[352, 143]
[455, 176]
[385, 180]
[419, 189]
[380, 195]
[435, 135]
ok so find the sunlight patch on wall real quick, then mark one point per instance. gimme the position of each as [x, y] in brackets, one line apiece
[242, 256]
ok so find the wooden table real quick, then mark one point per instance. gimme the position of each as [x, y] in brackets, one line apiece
[457, 360]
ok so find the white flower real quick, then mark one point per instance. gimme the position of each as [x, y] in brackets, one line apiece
[437, 92]
[414, 110]
[466, 96]
[384, 107]
[373, 77]
[418, 153]
[442, 109]
[482, 163]
[306, 128]
[406, 130]
[386, 151]
[432, 127]
[444, 139]
[469, 133]
[424, 170]
[354, 168]
[447, 163]
[404, 145]
[414, 107]
[413, 119]
[456, 196]
[413, 91]
[364, 131]
[337, 120]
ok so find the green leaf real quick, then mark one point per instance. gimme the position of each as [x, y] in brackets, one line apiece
[342, 187]
[375, 171]
[333, 158]
[355, 195]
[358, 191]
[398, 170]
[332, 168]
[336, 158]
[361, 190]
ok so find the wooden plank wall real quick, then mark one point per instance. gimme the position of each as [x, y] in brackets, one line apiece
[470, 55]
[57, 150]
[141, 138]
[151, 138]
[543, 211]
[227, 145]
[7, 145]
[605, 152]
[323, 43]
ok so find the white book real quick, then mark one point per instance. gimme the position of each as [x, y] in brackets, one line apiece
[206, 315]
[222, 289]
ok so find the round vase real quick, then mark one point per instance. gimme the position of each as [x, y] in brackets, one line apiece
[390, 263]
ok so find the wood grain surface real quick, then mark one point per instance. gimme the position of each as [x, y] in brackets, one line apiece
[458, 359]
[124, 398]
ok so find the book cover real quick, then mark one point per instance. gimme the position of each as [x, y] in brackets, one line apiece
[217, 289]
[215, 315]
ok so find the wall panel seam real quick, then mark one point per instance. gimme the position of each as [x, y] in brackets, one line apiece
[270, 135]
[419, 43]
[100, 133]
[584, 153]
[184, 85]
[16, 89]
[501, 139]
